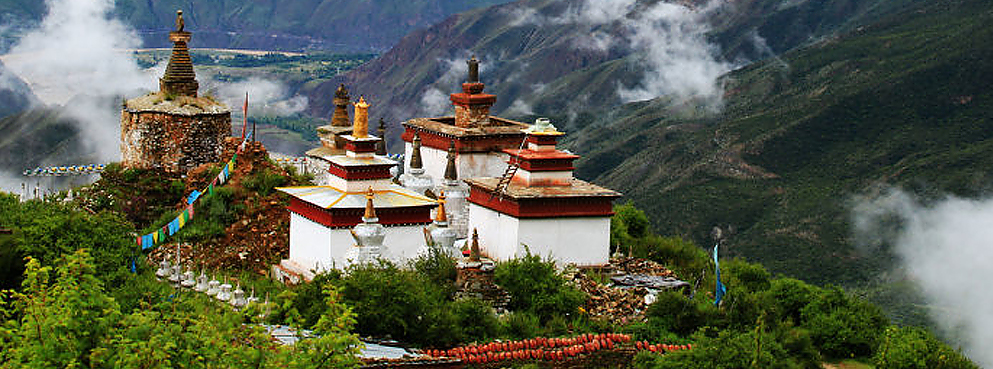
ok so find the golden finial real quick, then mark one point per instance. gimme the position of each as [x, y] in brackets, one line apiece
[440, 216]
[370, 211]
[360, 129]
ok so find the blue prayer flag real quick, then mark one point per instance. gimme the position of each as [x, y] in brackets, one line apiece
[147, 241]
[193, 197]
[720, 288]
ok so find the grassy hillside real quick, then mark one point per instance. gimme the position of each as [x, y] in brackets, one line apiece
[903, 102]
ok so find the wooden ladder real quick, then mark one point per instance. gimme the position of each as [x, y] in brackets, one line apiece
[508, 174]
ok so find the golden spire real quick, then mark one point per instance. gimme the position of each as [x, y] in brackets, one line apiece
[474, 249]
[360, 129]
[370, 211]
[440, 216]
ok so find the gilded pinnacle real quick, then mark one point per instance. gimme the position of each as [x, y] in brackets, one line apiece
[370, 210]
[360, 129]
[440, 216]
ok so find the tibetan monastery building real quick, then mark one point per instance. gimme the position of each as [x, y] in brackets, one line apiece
[540, 207]
[479, 138]
[322, 217]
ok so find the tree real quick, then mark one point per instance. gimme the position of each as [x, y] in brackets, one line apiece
[61, 321]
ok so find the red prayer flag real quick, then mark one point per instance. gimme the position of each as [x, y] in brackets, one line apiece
[244, 126]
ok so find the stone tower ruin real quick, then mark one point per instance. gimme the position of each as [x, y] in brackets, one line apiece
[174, 128]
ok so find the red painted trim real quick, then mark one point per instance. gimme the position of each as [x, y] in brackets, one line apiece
[556, 165]
[464, 144]
[470, 100]
[547, 207]
[339, 218]
[546, 140]
[360, 173]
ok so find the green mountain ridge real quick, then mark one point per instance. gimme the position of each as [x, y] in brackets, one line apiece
[536, 63]
[342, 26]
[904, 102]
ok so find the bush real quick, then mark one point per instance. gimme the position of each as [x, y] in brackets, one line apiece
[730, 349]
[437, 268]
[913, 347]
[673, 312]
[536, 287]
[843, 326]
[264, 181]
[786, 298]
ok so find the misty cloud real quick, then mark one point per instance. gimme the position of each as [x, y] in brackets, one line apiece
[75, 57]
[435, 100]
[265, 97]
[945, 248]
[668, 42]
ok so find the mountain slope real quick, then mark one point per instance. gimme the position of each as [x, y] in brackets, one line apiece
[903, 102]
[40, 137]
[15, 94]
[323, 24]
[538, 59]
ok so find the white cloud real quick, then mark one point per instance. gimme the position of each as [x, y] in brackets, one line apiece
[669, 43]
[945, 248]
[75, 57]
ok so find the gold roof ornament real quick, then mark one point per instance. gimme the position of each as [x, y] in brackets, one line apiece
[440, 217]
[360, 128]
[370, 210]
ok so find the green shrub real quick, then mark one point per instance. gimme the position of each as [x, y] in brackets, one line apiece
[536, 287]
[475, 320]
[437, 268]
[520, 325]
[674, 312]
[730, 349]
[843, 326]
[786, 298]
[913, 347]
[264, 181]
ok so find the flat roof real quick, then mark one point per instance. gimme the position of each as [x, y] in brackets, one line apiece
[328, 197]
[577, 188]
[446, 125]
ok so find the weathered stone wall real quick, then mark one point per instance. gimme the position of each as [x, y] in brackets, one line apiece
[174, 141]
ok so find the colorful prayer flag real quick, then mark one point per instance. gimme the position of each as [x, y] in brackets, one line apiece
[155, 237]
[147, 241]
[193, 197]
[720, 289]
